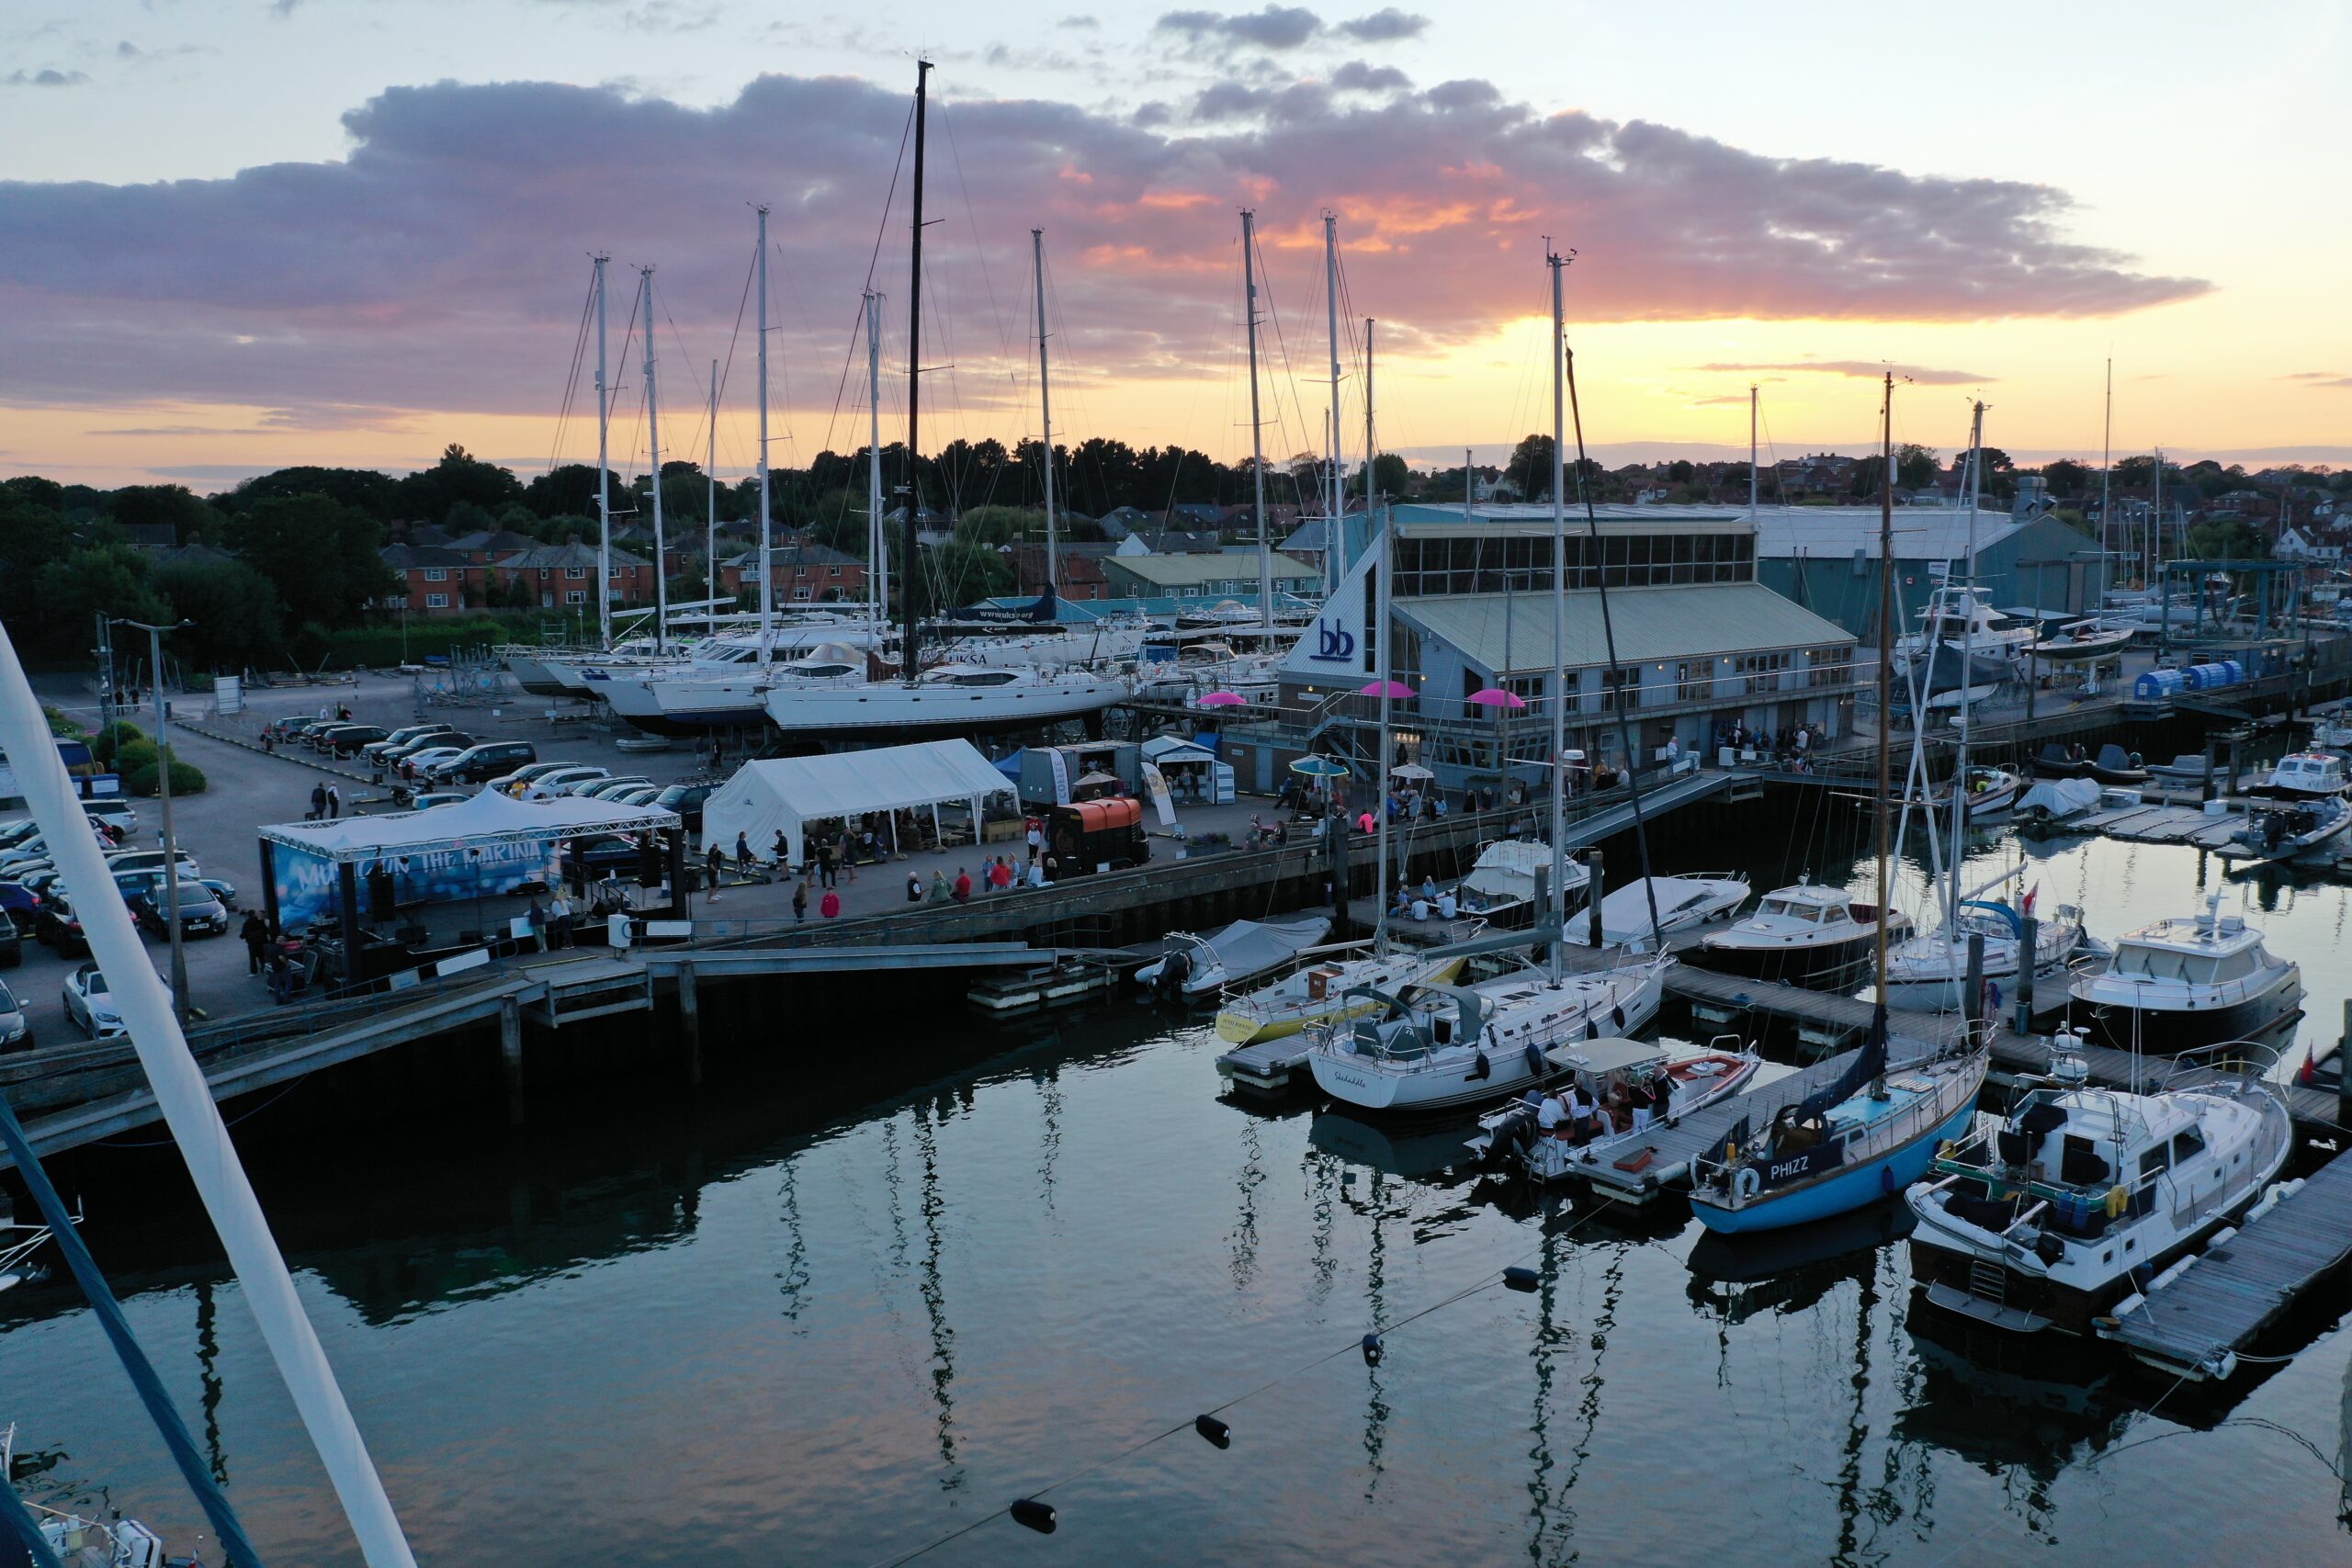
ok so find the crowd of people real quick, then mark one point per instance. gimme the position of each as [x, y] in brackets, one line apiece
[1575, 1112]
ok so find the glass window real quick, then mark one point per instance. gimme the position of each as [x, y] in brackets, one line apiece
[2187, 1144]
[2154, 1160]
[437, 601]
[436, 574]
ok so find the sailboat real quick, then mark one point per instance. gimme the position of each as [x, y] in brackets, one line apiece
[1873, 1129]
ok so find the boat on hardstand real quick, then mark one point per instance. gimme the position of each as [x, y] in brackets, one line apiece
[952, 699]
[1633, 1085]
[2188, 982]
[1446, 1047]
[1682, 903]
[2083, 641]
[1865, 1136]
[2062, 1213]
[1195, 966]
[694, 702]
[1811, 934]
[1319, 992]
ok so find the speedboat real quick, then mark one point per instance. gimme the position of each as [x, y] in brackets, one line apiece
[1864, 1136]
[1811, 934]
[2062, 1213]
[1985, 791]
[952, 699]
[1683, 903]
[2302, 775]
[1444, 1047]
[2083, 641]
[1632, 1083]
[1962, 616]
[2188, 982]
[1930, 972]
[2113, 765]
[1500, 888]
[1319, 993]
[2290, 828]
[1195, 966]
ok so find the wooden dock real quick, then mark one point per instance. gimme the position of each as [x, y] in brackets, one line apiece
[2236, 1289]
[1672, 1146]
[2154, 823]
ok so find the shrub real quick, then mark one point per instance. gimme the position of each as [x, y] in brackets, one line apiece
[59, 724]
[114, 737]
[136, 766]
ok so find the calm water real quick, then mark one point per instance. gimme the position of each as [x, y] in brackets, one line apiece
[833, 1325]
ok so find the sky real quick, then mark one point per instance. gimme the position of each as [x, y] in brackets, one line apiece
[237, 234]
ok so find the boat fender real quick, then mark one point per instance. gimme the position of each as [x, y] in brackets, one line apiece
[1746, 1183]
[2117, 1200]
[1886, 1183]
[1591, 1030]
[1039, 1517]
[1372, 1349]
[1617, 1016]
[1218, 1434]
[1520, 1278]
[1482, 1069]
[1535, 1062]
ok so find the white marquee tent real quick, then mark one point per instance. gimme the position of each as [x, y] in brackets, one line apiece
[766, 798]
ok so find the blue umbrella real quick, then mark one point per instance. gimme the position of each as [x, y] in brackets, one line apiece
[1319, 767]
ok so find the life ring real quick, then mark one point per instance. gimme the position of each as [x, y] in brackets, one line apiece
[1746, 1183]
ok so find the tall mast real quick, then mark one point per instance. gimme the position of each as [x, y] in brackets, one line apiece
[1380, 585]
[710, 522]
[1975, 479]
[653, 442]
[909, 666]
[1470, 488]
[1044, 404]
[2106, 464]
[1257, 428]
[1556, 676]
[767, 580]
[877, 542]
[1751, 453]
[1333, 506]
[1886, 688]
[603, 467]
[1368, 433]
[2156, 524]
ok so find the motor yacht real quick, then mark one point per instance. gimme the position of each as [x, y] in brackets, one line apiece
[2062, 1214]
[1929, 972]
[1500, 889]
[1811, 934]
[1962, 617]
[2303, 775]
[2190, 981]
[1683, 903]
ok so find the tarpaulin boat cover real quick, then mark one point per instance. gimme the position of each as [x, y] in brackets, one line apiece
[779, 795]
[1253, 947]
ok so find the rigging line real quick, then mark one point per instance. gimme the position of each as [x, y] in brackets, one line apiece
[890, 197]
[693, 374]
[1616, 670]
[726, 367]
[980, 253]
[571, 382]
[840, 389]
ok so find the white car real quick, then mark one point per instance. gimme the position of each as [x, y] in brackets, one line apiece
[115, 814]
[548, 786]
[15, 1029]
[120, 861]
[416, 763]
[91, 1005]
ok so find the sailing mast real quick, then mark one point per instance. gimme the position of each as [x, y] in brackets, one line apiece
[603, 470]
[1885, 695]
[1751, 453]
[1381, 583]
[653, 442]
[1975, 480]
[2106, 467]
[1557, 677]
[1257, 427]
[1332, 507]
[910, 666]
[767, 579]
[710, 522]
[878, 543]
[1368, 435]
[1046, 407]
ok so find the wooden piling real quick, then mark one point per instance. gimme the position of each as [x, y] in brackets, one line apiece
[690, 1022]
[509, 1055]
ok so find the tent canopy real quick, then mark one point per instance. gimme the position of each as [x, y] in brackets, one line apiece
[489, 817]
[1163, 749]
[766, 798]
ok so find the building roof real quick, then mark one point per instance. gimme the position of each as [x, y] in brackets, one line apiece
[572, 554]
[1698, 621]
[1191, 572]
[492, 539]
[1929, 534]
[794, 553]
[401, 558]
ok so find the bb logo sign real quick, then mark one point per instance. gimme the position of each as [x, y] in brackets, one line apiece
[1333, 641]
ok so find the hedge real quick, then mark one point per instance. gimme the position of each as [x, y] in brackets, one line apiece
[137, 765]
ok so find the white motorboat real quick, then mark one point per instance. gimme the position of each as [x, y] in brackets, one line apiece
[1929, 973]
[953, 699]
[1985, 791]
[1962, 617]
[2305, 776]
[2062, 1214]
[1195, 966]
[1445, 1047]
[1325, 988]
[1811, 934]
[1683, 903]
[2083, 641]
[1500, 887]
[1631, 1084]
[2191, 981]
[2290, 828]
[2058, 800]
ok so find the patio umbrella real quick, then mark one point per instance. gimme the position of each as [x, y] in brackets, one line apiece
[1223, 700]
[1095, 778]
[1496, 697]
[1386, 689]
[1410, 771]
[1317, 767]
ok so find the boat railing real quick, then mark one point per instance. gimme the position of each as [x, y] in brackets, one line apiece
[2244, 1060]
[1241, 992]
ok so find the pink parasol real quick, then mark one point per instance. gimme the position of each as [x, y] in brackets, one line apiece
[1223, 700]
[1496, 697]
[1392, 689]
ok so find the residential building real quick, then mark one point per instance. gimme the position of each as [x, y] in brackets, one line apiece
[435, 580]
[563, 576]
[1079, 567]
[800, 571]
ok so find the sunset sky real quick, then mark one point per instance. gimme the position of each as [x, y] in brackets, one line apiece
[236, 234]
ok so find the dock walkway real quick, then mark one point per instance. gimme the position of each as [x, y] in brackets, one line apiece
[2193, 1323]
[1672, 1147]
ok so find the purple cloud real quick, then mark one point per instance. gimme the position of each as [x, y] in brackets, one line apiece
[440, 265]
[1867, 369]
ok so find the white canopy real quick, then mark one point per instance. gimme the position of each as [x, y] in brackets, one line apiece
[766, 799]
[489, 817]
[1162, 750]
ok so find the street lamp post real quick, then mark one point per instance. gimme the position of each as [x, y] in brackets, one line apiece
[163, 793]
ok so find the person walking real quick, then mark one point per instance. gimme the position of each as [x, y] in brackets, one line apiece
[799, 900]
[828, 870]
[334, 803]
[255, 936]
[559, 918]
[716, 863]
[318, 802]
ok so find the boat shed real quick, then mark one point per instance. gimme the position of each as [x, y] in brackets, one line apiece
[1826, 558]
[784, 794]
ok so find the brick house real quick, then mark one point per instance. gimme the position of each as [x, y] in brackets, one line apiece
[561, 576]
[800, 572]
[435, 580]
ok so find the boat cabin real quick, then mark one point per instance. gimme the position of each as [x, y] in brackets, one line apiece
[1805, 908]
[2203, 950]
[2309, 773]
[2083, 1158]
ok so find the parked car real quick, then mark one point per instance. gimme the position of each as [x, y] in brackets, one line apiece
[479, 765]
[21, 904]
[120, 861]
[604, 789]
[223, 889]
[60, 928]
[377, 750]
[201, 914]
[637, 794]
[686, 799]
[322, 739]
[418, 765]
[16, 831]
[12, 952]
[512, 783]
[116, 813]
[348, 740]
[41, 880]
[433, 798]
[559, 780]
[15, 1029]
[90, 1003]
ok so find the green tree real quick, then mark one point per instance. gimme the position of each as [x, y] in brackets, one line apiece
[173, 506]
[34, 532]
[1391, 476]
[1530, 469]
[2065, 476]
[964, 571]
[234, 608]
[364, 488]
[318, 553]
[428, 493]
[71, 593]
[997, 525]
[571, 488]
[1915, 466]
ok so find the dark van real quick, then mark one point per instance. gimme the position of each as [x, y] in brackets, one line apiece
[479, 765]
